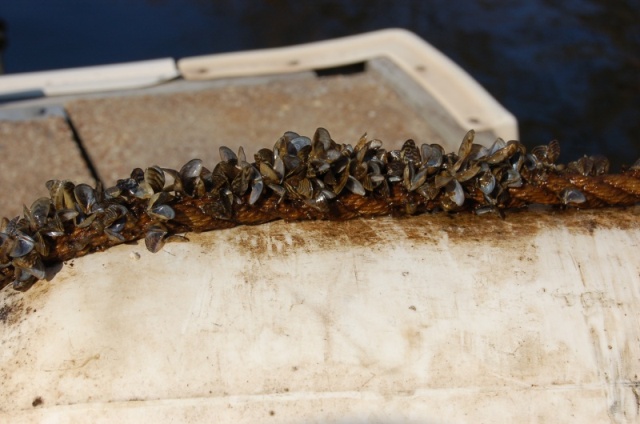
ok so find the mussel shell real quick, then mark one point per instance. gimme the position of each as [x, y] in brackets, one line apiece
[263, 155]
[227, 155]
[118, 225]
[511, 178]
[326, 195]
[222, 207]
[279, 168]
[408, 174]
[26, 213]
[41, 245]
[114, 236]
[162, 212]
[194, 187]
[127, 186]
[173, 183]
[489, 209]
[340, 164]
[531, 162]
[66, 214]
[486, 182]
[283, 146]
[502, 154]
[497, 145]
[304, 154]
[340, 183]
[321, 140]
[22, 245]
[191, 169]
[305, 188]
[154, 177]
[242, 157]
[354, 186]
[455, 192]
[279, 190]
[418, 179]
[321, 200]
[301, 142]
[572, 195]
[583, 166]
[478, 152]
[54, 227]
[317, 167]
[112, 192]
[40, 211]
[4, 225]
[374, 145]
[367, 183]
[269, 174]
[553, 151]
[240, 183]
[375, 168]
[333, 155]
[30, 264]
[395, 171]
[329, 178]
[225, 170]
[442, 179]
[159, 198]
[155, 238]
[465, 147]
[83, 221]
[432, 155]
[143, 190]
[137, 174]
[256, 190]
[288, 136]
[292, 164]
[61, 193]
[112, 213]
[428, 191]
[361, 144]
[468, 173]
[410, 153]
[540, 153]
[600, 165]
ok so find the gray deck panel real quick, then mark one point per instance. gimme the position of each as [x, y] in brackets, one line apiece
[121, 133]
[34, 151]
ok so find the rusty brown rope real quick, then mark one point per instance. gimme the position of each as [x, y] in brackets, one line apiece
[300, 179]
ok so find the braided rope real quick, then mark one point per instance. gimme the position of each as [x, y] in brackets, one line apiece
[78, 220]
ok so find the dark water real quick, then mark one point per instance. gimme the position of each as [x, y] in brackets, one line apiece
[568, 70]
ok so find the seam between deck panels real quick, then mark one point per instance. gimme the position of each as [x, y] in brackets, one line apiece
[83, 151]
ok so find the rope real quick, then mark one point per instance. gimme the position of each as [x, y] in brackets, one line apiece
[299, 179]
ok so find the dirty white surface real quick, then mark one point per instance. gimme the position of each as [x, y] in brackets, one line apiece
[427, 319]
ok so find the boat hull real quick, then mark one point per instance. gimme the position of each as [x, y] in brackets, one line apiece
[434, 318]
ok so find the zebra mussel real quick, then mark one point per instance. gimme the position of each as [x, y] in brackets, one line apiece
[298, 178]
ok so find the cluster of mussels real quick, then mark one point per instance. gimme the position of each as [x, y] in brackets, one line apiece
[312, 173]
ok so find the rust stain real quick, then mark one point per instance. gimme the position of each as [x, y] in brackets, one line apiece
[460, 228]
[12, 303]
[12, 310]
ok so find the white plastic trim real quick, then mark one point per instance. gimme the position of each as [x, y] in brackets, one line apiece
[466, 100]
[90, 79]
